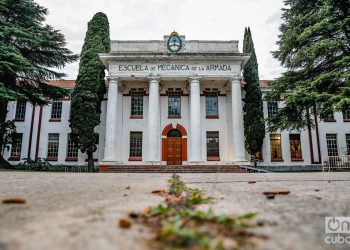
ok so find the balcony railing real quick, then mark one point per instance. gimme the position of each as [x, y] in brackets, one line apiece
[335, 162]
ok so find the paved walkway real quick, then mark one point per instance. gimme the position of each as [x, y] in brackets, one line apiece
[81, 211]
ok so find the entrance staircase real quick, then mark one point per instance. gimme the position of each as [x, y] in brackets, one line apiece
[173, 169]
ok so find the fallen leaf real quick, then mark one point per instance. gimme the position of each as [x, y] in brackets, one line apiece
[148, 210]
[284, 192]
[15, 200]
[125, 195]
[251, 182]
[124, 223]
[158, 191]
[133, 215]
[281, 192]
[318, 198]
[128, 187]
[317, 190]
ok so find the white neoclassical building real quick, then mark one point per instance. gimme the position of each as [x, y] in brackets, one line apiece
[160, 96]
[172, 102]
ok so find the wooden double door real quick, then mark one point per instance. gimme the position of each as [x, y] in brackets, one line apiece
[174, 151]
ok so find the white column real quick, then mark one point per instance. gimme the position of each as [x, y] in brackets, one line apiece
[110, 152]
[237, 121]
[195, 120]
[153, 120]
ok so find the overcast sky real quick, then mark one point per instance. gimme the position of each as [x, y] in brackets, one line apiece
[152, 19]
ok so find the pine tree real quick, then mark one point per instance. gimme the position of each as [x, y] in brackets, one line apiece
[29, 52]
[314, 47]
[90, 87]
[254, 124]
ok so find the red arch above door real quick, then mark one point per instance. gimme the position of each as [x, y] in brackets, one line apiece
[170, 127]
[183, 141]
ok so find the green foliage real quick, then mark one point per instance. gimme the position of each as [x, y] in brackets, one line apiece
[8, 135]
[254, 123]
[314, 47]
[182, 226]
[90, 86]
[195, 196]
[176, 185]
[40, 164]
[30, 49]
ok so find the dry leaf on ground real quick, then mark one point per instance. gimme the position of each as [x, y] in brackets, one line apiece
[124, 223]
[15, 200]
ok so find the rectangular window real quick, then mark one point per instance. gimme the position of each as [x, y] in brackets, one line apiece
[272, 109]
[275, 147]
[174, 103]
[137, 102]
[332, 144]
[72, 148]
[211, 103]
[52, 148]
[329, 117]
[135, 145]
[347, 144]
[295, 147]
[16, 148]
[346, 114]
[213, 153]
[20, 110]
[56, 110]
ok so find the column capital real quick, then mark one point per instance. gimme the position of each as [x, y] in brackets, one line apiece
[194, 78]
[153, 78]
[236, 79]
[113, 79]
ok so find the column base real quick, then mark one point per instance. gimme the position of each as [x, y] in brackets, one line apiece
[153, 163]
[240, 161]
[195, 163]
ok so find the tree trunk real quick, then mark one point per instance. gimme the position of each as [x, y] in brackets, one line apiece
[3, 112]
[90, 162]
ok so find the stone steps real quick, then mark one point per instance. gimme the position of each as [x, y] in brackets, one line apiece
[172, 169]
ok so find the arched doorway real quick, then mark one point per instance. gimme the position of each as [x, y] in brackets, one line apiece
[174, 144]
[174, 150]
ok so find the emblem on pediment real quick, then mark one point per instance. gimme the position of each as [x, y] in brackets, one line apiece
[174, 43]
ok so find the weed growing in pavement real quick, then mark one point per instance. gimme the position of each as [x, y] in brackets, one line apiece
[178, 223]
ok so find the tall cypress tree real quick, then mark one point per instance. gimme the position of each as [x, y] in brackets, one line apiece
[314, 47]
[90, 87]
[254, 124]
[30, 50]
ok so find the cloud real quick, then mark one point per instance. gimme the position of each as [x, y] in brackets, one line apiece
[151, 19]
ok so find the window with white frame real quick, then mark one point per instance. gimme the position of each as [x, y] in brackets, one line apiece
[53, 145]
[174, 102]
[295, 146]
[347, 137]
[20, 110]
[17, 146]
[346, 114]
[272, 109]
[275, 147]
[213, 144]
[135, 144]
[137, 102]
[211, 103]
[72, 147]
[56, 110]
[329, 117]
[332, 144]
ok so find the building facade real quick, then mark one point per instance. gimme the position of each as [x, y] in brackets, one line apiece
[172, 102]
